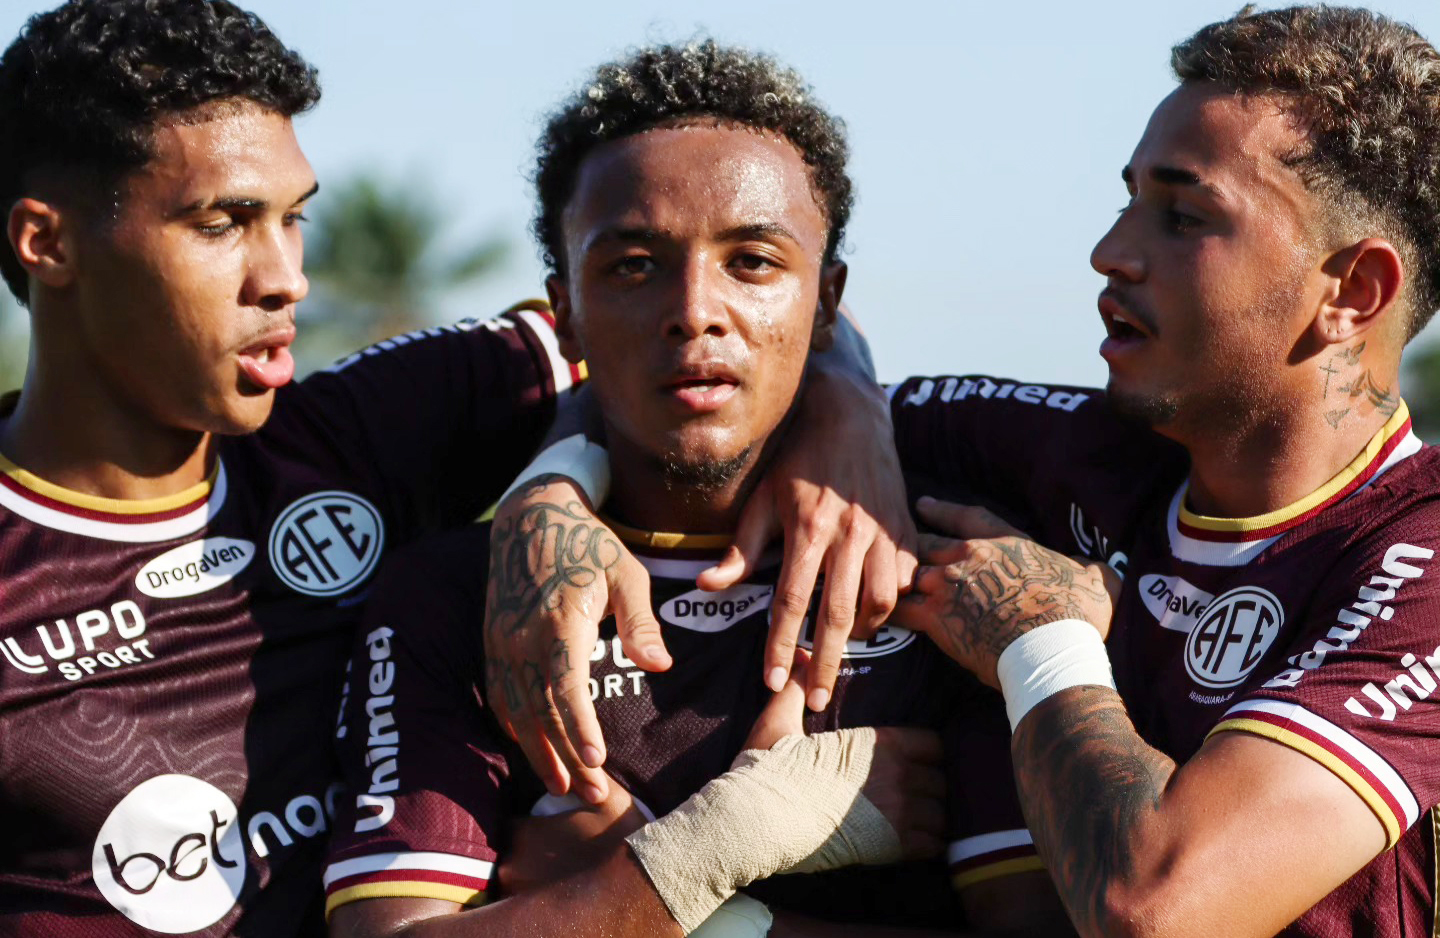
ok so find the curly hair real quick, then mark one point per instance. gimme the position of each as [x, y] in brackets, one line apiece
[1367, 91]
[83, 85]
[666, 85]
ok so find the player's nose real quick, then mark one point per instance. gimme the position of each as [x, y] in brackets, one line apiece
[698, 307]
[276, 278]
[1117, 253]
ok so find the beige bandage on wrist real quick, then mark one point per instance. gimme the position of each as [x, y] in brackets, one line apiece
[795, 808]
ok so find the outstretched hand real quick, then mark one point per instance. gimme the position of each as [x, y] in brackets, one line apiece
[836, 492]
[987, 584]
[555, 572]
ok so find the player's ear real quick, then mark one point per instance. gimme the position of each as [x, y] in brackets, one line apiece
[832, 287]
[40, 239]
[559, 295]
[1364, 284]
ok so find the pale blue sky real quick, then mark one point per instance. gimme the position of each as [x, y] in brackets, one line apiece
[988, 138]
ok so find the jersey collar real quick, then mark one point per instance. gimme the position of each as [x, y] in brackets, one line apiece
[1229, 541]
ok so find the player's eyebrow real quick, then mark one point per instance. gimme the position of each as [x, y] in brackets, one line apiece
[1173, 176]
[760, 231]
[241, 202]
[639, 235]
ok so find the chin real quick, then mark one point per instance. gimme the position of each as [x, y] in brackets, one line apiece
[246, 415]
[704, 472]
[1153, 408]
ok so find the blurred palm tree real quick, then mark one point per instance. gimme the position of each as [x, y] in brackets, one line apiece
[14, 342]
[378, 267]
[1422, 389]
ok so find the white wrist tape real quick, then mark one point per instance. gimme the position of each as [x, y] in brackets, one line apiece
[738, 917]
[1044, 661]
[795, 808]
[575, 458]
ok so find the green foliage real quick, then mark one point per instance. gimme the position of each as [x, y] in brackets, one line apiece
[14, 342]
[378, 265]
[1422, 389]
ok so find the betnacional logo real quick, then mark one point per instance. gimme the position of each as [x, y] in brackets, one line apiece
[326, 543]
[700, 611]
[1232, 635]
[173, 858]
[194, 568]
[1174, 602]
[170, 856]
[888, 640]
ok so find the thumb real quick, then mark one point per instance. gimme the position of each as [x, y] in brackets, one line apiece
[634, 621]
[758, 526]
[784, 715]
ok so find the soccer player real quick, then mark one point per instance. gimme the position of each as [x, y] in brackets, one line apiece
[181, 568]
[691, 200]
[1265, 760]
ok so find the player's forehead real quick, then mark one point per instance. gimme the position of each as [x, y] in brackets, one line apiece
[694, 181]
[232, 149]
[1240, 145]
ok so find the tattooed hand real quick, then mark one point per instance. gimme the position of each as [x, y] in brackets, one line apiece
[555, 572]
[974, 597]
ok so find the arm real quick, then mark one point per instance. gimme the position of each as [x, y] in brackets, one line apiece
[616, 896]
[1138, 844]
[544, 603]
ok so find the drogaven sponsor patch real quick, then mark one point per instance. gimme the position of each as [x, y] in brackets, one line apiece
[194, 568]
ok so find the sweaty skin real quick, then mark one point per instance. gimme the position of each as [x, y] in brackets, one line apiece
[1234, 315]
[169, 321]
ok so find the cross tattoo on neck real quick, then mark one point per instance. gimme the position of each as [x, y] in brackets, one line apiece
[1329, 370]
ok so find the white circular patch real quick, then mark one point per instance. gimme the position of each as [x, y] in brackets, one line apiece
[1232, 635]
[888, 640]
[326, 542]
[170, 855]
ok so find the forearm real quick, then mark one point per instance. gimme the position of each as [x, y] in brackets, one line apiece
[614, 899]
[1092, 790]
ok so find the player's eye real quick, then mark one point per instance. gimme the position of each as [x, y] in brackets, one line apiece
[633, 265]
[1180, 221]
[216, 227]
[294, 218]
[753, 262]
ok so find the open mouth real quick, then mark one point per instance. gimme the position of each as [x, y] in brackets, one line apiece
[703, 392]
[268, 364]
[1121, 323]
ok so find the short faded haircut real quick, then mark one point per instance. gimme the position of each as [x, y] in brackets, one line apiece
[668, 85]
[1366, 89]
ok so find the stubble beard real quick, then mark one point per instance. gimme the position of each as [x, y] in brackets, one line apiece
[702, 478]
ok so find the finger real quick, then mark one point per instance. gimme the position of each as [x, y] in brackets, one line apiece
[965, 521]
[937, 550]
[879, 589]
[542, 758]
[906, 564]
[836, 619]
[784, 715]
[577, 711]
[590, 784]
[787, 610]
[635, 623]
[758, 526]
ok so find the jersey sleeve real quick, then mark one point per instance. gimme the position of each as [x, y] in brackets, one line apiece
[424, 769]
[1358, 690]
[1020, 448]
[985, 827]
[436, 423]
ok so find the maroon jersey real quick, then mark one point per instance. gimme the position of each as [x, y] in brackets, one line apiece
[435, 783]
[169, 666]
[1313, 626]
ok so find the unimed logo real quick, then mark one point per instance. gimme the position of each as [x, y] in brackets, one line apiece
[170, 855]
[326, 543]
